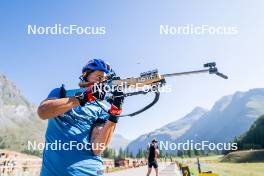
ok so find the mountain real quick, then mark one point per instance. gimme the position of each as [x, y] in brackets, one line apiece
[230, 116]
[18, 119]
[118, 141]
[169, 132]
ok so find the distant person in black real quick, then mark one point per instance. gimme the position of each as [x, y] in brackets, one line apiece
[152, 154]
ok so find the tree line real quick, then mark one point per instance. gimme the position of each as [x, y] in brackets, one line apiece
[253, 138]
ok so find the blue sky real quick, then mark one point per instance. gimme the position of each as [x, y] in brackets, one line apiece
[37, 63]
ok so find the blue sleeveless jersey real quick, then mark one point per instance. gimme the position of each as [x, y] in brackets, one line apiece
[67, 149]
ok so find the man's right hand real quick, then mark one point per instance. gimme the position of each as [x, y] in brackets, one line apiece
[95, 91]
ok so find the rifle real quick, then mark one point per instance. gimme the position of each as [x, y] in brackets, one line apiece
[150, 78]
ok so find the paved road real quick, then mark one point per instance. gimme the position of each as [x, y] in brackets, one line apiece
[170, 170]
[165, 170]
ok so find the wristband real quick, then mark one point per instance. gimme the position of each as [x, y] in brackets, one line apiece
[114, 110]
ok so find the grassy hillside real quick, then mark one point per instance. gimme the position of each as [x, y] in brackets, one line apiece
[245, 156]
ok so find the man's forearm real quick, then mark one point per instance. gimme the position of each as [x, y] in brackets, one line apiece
[52, 108]
[104, 137]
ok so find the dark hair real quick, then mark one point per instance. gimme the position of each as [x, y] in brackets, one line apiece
[154, 140]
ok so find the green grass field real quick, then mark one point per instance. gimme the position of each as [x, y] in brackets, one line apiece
[225, 169]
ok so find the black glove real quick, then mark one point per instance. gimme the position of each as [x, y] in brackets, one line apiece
[116, 105]
[118, 99]
[92, 93]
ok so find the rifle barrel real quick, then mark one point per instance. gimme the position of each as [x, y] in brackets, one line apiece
[185, 73]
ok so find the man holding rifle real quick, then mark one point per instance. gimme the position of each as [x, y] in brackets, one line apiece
[79, 125]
